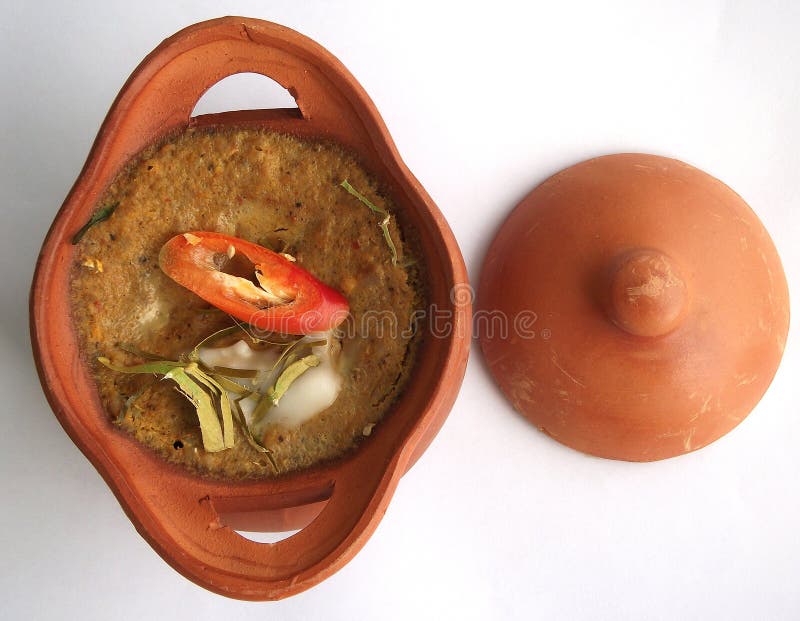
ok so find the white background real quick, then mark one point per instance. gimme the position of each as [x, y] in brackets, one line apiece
[484, 101]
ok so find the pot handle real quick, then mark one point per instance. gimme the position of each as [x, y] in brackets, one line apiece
[162, 92]
[220, 559]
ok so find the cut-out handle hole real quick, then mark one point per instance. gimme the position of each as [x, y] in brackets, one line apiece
[244, 91]
[266, 525]
[261, 537]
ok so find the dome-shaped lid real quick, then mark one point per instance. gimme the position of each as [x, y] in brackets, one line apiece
[633, 307]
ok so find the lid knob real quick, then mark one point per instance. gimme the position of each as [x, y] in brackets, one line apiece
[648, 295]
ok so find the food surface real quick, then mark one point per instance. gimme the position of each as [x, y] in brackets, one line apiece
[281, 193]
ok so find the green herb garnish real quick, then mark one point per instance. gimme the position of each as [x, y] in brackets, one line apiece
[194, 387]
[221, 400]
[104, 213]
[238, 373]
[232, 386]
[208, 387]
[161, 367]
[298, 346]
[210, 427]
[384, 224]
[291, 371]
[129, 404]
[274, 337]
[262, 407]
[237, 408]
[132, 349]
[289, 375]
[194, 355]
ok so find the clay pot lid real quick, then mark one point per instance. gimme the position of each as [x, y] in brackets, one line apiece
[633, 307]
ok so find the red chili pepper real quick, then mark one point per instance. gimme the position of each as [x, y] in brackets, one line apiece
[252, 283]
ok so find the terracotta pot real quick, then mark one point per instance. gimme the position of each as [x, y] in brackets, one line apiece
[187, 519]
[646, 304]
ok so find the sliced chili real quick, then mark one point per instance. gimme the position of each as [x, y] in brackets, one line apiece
[252, 283]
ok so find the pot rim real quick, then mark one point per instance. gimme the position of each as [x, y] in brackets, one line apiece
[64, 381]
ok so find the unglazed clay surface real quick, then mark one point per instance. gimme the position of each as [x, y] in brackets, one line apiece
[187, 519]
[665, 302]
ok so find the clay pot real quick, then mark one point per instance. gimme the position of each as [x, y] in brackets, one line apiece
[187, 519]
[646, 307]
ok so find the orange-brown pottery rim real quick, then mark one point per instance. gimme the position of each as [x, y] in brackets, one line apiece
[188, 519]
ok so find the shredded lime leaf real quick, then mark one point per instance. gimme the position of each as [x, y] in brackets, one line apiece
[104, 213]
[212, 338]
[214, 391]
[240, 373]
[210, 427]
[132, 349]
[230, 385]
[291, 371]
[293, 347]
[129, 404]
[201, 390]
[289, 375]
[262, 407]
[384, 224]
[385, 228]
[274, 337]
[210, 389]
[237, 408]
[162, 367]
[221, 396]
